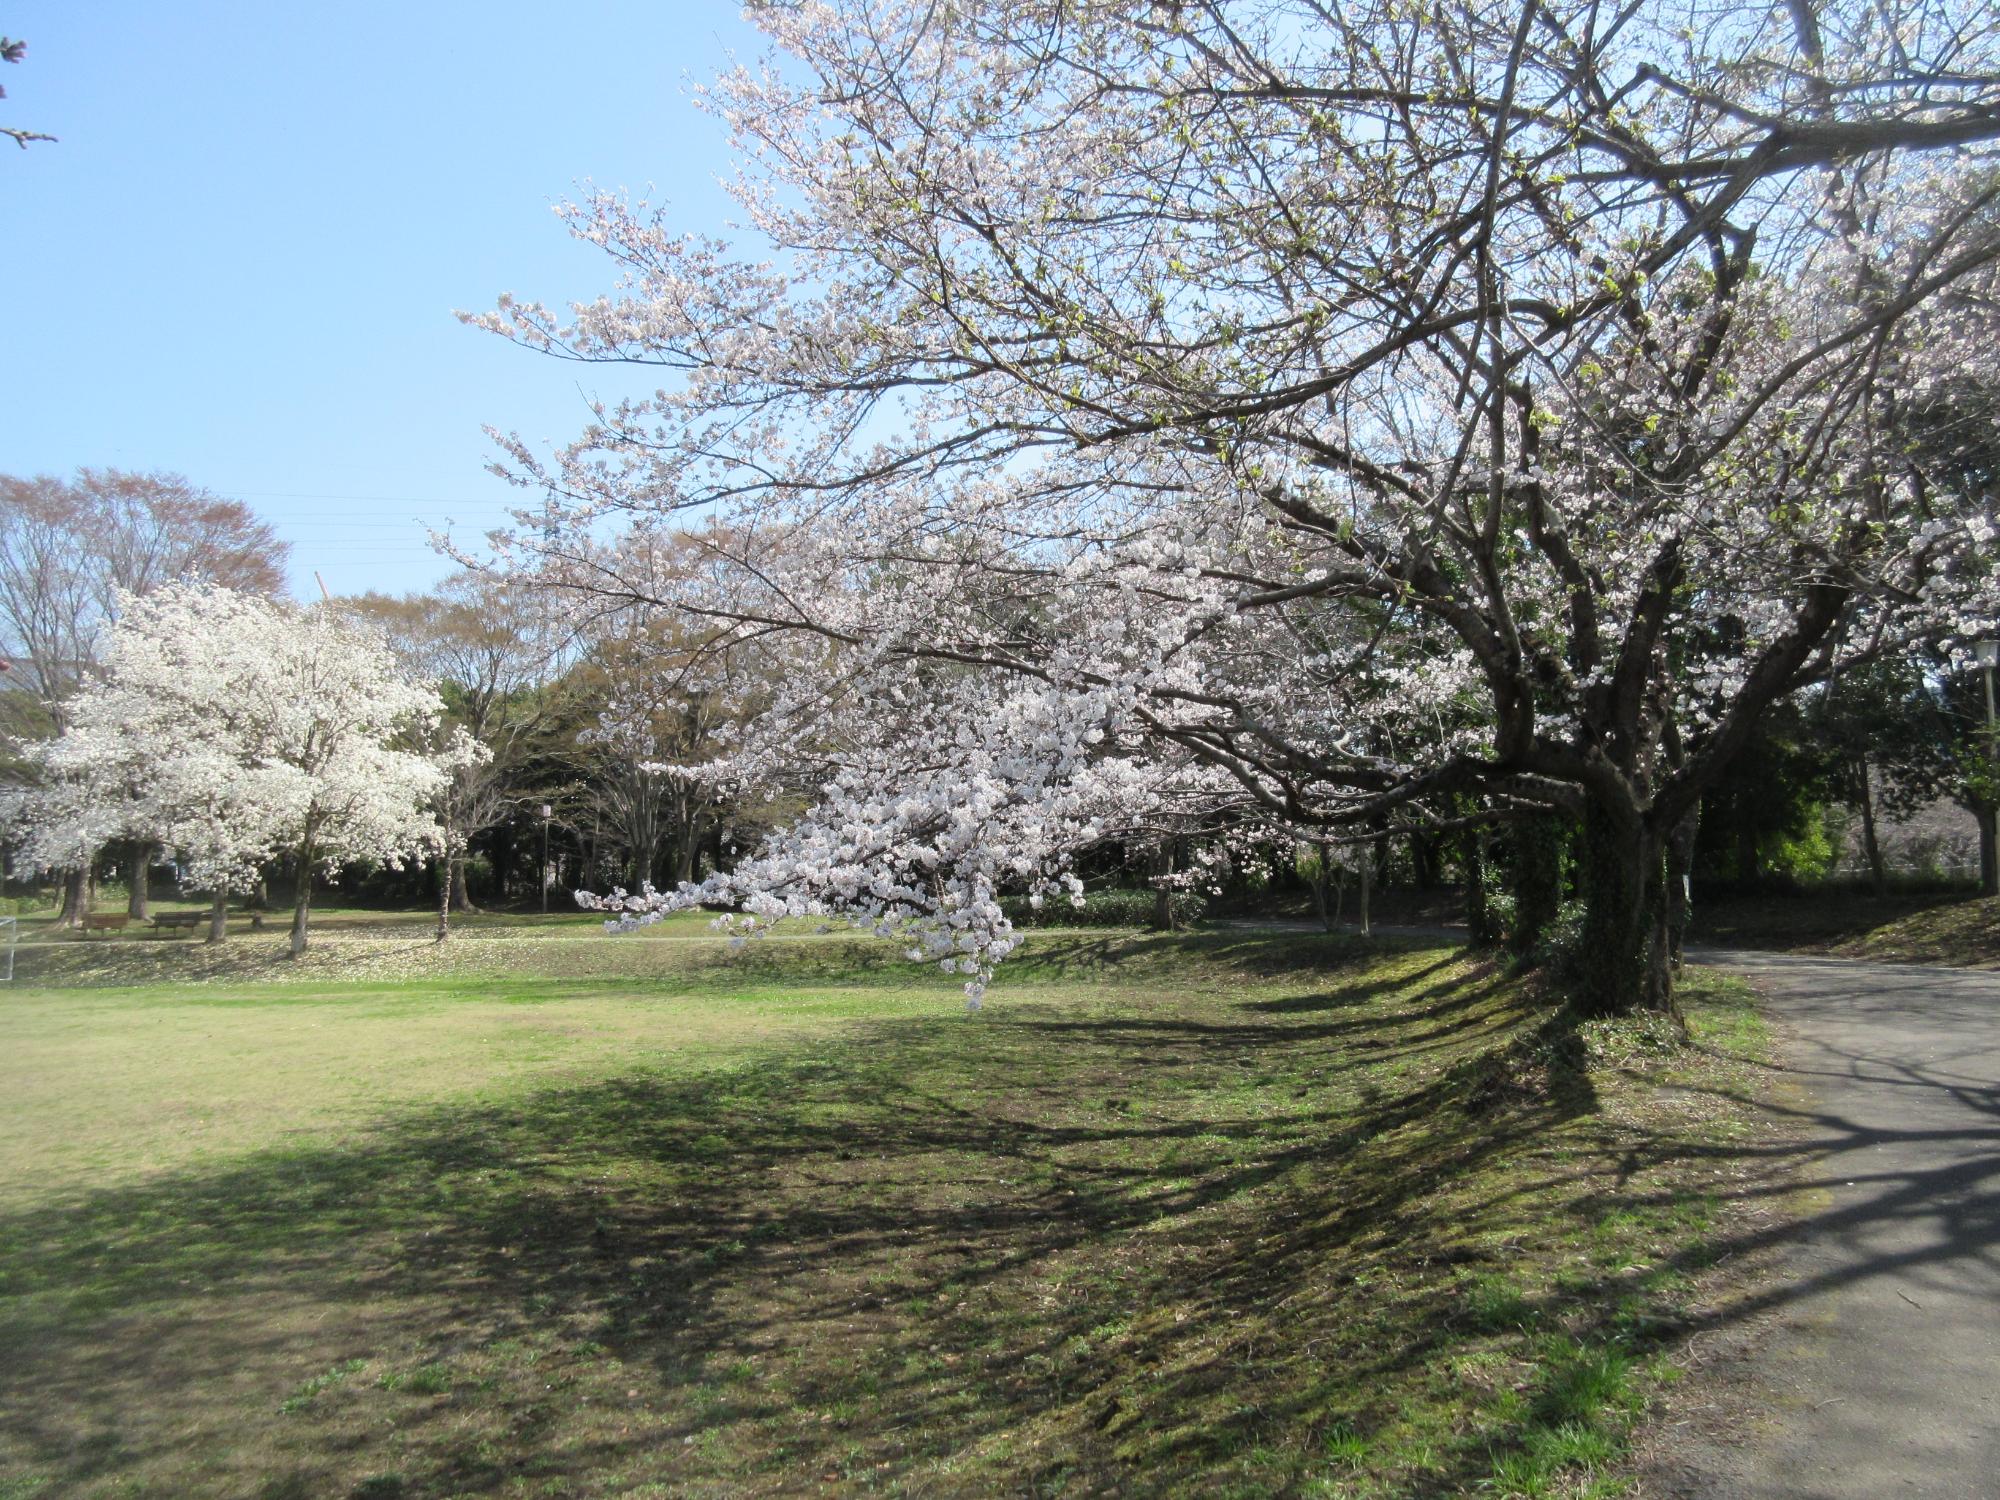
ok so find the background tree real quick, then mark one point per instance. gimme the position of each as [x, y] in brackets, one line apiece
[233, 727]
[69, 550]
[496, 657]
[314, 708]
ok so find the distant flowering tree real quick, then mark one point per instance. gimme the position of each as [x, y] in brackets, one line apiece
[70, 549]
[233, 728]
[1342, 415]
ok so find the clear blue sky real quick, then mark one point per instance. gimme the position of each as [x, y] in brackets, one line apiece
[241, 259]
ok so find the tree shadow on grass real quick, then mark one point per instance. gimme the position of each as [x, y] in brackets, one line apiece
[1127, 1254]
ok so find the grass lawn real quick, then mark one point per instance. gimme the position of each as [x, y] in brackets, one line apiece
[1230, 1214]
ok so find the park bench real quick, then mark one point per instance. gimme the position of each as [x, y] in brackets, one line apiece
[105, 921]
[168, 921]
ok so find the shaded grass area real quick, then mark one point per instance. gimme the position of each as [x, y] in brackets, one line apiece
[1225, 1215]
[1933, 929]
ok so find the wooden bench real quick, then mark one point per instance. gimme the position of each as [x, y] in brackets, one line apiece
[168, 921]
[105, 921]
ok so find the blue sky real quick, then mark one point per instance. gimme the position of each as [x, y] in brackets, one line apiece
[241, 259]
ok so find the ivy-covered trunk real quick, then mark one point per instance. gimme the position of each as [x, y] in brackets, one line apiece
[1625, 958]
[1478, 913]
[1535, 871]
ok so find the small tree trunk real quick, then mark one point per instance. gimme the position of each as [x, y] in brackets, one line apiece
[685, 849]
[1749, 858]
[218, 915]
[1323, 877]
[1989, 852]
[1535, 872]
[1367, 885]
[447, 882]
[1680, 884]
[302, 899]
[1163, 896]
[1472, 855]
[1871, 846]
[135, 879]
[1424, 862]
[302, 912]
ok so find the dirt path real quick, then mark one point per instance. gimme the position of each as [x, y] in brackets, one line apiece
[1879, 1368]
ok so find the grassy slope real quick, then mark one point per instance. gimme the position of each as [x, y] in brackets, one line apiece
[1907, 929]
[1227, 1215]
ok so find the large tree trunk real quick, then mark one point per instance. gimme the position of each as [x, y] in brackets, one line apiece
[218, 915]
[1611, 960]
[1989, 852]
[136, 874]
[1624, 962]
[75, 897]
[686, 848]
[461, 895]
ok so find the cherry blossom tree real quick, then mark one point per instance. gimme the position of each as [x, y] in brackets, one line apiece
[1327, 415]
[69, 550]
[235, 728]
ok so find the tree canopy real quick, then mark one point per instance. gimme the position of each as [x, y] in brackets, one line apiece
[1325, 414]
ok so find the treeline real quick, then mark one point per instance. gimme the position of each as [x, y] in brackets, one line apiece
[607, 734]
[596, 767]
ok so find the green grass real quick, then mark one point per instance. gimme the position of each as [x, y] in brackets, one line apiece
[1232, 1214]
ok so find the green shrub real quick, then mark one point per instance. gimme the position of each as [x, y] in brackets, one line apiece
[1560, 948]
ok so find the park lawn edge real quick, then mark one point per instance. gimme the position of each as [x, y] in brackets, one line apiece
[1553, 1328]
